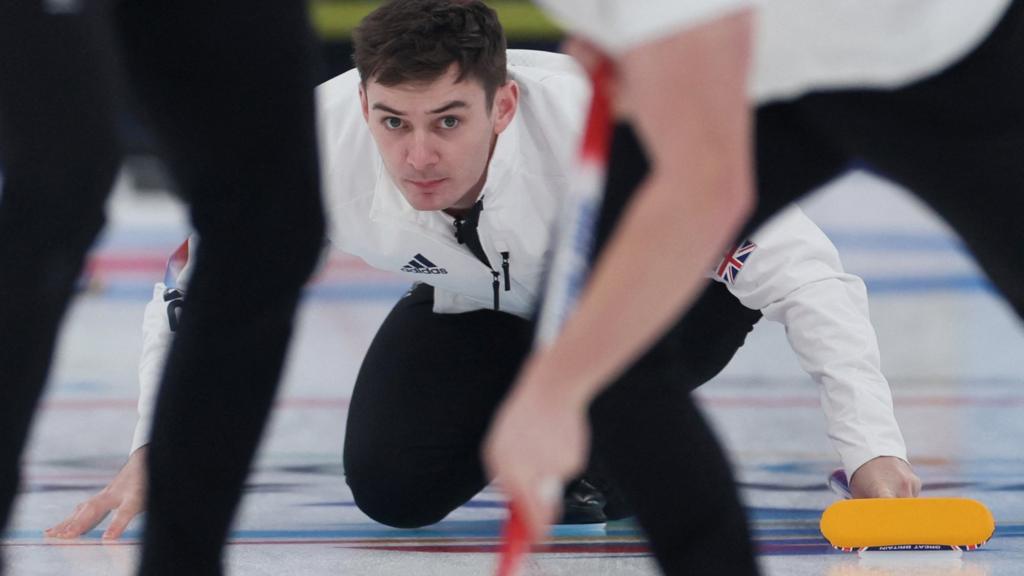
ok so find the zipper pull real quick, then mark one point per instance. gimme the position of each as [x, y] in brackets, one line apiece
[504, 268]
[458, 230]
[494, 285]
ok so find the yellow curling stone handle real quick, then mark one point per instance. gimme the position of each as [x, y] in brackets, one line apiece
[896, 521]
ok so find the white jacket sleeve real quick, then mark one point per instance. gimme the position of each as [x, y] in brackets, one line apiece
[795, 277]
[158, 325]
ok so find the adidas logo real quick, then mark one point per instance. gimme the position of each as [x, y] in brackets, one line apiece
[420, 265]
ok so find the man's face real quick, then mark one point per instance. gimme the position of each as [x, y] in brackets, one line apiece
[436, 137]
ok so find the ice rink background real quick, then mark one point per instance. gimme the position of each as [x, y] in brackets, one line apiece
[950, 348]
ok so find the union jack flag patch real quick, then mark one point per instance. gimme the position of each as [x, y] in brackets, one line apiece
[732, 264]
[175, 264]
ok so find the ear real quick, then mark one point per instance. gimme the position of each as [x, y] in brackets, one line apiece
[506, 102]
[363, 103]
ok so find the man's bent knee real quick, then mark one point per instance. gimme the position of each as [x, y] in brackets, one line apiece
[396, 504]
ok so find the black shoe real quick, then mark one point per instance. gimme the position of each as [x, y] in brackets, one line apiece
[615, 505]
[617, 509]
[582, 504]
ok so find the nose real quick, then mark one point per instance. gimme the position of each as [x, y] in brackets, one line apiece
[421, 154]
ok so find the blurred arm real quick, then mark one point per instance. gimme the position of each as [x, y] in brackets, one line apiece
[686, 96]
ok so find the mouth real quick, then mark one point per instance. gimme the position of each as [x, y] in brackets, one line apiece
[427, 184]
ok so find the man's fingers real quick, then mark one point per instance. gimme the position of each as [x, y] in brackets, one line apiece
[538, 504]
[547, 501]
[882, 491]
[63, 524]
[122, 518]
[529, 514]
[58, 528]
[88, 515]
[125, 493]
[909, 486]
[885, 477]
[86, 519]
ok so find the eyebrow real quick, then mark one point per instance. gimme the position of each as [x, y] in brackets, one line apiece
[449, 106]
[388, 109]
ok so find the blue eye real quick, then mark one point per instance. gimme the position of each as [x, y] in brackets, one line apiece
[449, 122]
[392, 123]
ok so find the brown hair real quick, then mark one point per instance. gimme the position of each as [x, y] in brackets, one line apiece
[418, 40]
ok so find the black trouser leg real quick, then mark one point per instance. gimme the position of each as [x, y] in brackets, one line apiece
[792, 160]
[701, 344]
[229, 88]
[430, 383]
[671, 469]
[652, 438]
[423, 401]
[58, 155]
[957, 141]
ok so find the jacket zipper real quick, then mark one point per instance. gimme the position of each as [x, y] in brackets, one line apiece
[466, 233]
[504, 268]
[494, 286]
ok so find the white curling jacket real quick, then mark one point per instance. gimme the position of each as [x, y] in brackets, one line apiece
[527, 175]
[805, 45]
[789, 270]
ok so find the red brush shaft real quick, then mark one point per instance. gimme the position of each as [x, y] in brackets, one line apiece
[515, 543]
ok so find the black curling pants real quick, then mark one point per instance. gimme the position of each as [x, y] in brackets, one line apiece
[430, 384]
[955, 139]
[228, 88]
[649, 434]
